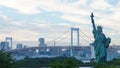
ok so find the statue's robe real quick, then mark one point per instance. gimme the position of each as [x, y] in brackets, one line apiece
[100, 46]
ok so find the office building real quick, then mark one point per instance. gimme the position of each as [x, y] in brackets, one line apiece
[42, 42]
[19, 46]
[5, 46]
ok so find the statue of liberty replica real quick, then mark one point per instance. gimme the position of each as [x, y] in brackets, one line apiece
[101, 43]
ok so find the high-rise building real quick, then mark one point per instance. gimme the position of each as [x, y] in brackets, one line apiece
[5, 46]
[9, 40]
[20, 45]
[92, 52]
[42, 42]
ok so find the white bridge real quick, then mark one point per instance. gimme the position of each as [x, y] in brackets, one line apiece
[80, 52]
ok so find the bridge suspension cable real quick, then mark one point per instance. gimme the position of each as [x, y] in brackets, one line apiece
[63, 38]
[85, 35]
[58, 37]
[88, 42]
[66, 34]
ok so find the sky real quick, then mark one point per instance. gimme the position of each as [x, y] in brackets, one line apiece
[27, 20]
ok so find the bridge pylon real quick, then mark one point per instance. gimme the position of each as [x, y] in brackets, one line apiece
[71, 47]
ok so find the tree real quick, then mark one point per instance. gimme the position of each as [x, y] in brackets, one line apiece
[101, 65]
[6, 60]
[66, 63]
[70, 63]
[56, 64]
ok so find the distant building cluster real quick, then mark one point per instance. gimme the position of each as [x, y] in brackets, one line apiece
[7, 44]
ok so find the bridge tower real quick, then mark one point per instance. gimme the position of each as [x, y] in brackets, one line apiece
[9, 40]
[71, 47]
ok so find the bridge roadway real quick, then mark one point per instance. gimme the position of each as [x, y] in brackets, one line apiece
[48, 47]
[50, 51]
[61, 47]
[81, 52]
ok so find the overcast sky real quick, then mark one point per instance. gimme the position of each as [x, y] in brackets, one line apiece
[27, 20]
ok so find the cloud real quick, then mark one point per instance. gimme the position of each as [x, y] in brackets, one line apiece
[100, 5]
[32, 7]
[30, 19]
[23, 6]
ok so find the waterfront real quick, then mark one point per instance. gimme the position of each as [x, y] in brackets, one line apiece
[85, 67]
[49, 67]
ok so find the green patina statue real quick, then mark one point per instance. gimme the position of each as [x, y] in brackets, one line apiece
[100, 43]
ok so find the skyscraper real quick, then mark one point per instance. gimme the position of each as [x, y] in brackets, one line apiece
[42, 42]
[19, 45]
[5, 46]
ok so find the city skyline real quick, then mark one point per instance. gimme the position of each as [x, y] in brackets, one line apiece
[28, 20]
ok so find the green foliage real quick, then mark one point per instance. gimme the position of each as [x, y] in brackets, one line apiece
[29, 62]
[6, 60]
[114, 62]
[66, 63]
[63, 62]
[104, 66]
[57, 62]
[46, 62]
[70, 63]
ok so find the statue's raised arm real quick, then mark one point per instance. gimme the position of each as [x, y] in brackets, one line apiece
[92, 20]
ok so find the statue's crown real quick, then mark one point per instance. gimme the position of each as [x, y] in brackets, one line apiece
[99, 26]
[91, 15]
